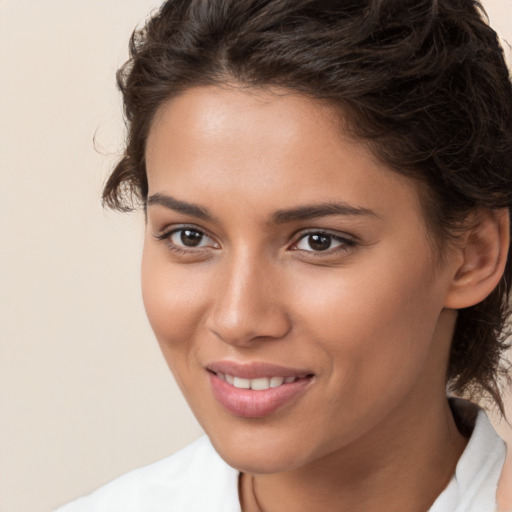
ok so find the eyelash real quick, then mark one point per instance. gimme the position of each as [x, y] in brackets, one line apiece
[346, 243]
[167, 235]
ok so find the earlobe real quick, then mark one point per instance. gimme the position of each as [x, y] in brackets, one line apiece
[484, 250]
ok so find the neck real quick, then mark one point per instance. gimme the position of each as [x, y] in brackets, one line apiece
[382, 471]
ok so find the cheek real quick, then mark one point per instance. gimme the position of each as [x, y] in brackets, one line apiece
[375, 326]
[172, 299]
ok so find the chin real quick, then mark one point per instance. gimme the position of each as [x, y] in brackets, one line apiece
[259, 451]
[259, 462]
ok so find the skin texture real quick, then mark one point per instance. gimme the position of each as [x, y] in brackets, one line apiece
[371, 317]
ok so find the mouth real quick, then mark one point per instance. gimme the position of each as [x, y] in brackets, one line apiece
[259, 384]
[256, 390]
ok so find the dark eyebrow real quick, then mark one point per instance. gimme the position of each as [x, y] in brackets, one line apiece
[318, 210]
[180, 206]
[279, 217]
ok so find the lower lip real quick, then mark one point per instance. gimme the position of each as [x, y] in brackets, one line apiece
[248, 403]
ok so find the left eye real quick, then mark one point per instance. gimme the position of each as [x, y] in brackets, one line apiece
[319, 242]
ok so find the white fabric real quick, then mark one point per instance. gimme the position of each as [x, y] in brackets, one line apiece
[473, 487]
[196, 479]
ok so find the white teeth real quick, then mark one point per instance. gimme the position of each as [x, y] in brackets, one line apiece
[259, 384]
[241, 383]
[276, 381]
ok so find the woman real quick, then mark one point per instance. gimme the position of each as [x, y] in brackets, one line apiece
[326, 187]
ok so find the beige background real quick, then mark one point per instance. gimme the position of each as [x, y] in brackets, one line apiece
[84, 393]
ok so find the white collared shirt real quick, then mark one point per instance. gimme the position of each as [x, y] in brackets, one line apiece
[196, 479]
[473, 487]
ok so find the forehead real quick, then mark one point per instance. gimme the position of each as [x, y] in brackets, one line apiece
[228, 117]
[272, 147]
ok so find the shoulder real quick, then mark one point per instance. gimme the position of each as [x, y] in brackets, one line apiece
[474, 485]
[195, 478]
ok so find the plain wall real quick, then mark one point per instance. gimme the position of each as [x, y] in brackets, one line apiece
[84, 392]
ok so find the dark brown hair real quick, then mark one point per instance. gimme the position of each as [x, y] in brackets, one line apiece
[423, 82]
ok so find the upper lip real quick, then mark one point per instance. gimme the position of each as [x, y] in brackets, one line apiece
[256, 370]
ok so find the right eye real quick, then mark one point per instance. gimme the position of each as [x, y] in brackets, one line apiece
[186, 239]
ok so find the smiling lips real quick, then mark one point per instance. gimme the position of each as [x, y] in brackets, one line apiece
[256, 384]
[256, 390]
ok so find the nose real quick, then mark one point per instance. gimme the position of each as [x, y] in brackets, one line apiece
[247, 303]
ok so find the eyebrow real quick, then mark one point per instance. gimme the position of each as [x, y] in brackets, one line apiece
[180, 206]
[283, 216]
[319, 210]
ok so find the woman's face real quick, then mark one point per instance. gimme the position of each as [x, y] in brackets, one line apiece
[282, 257]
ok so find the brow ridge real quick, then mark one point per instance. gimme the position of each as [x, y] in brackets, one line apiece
[282, 216]
[179, 206]
[319, 210]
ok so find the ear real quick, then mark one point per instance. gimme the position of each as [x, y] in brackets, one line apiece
[483, 253]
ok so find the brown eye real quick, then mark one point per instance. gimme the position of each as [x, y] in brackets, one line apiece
[323, 242]
[319, 241]
[190, 237]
